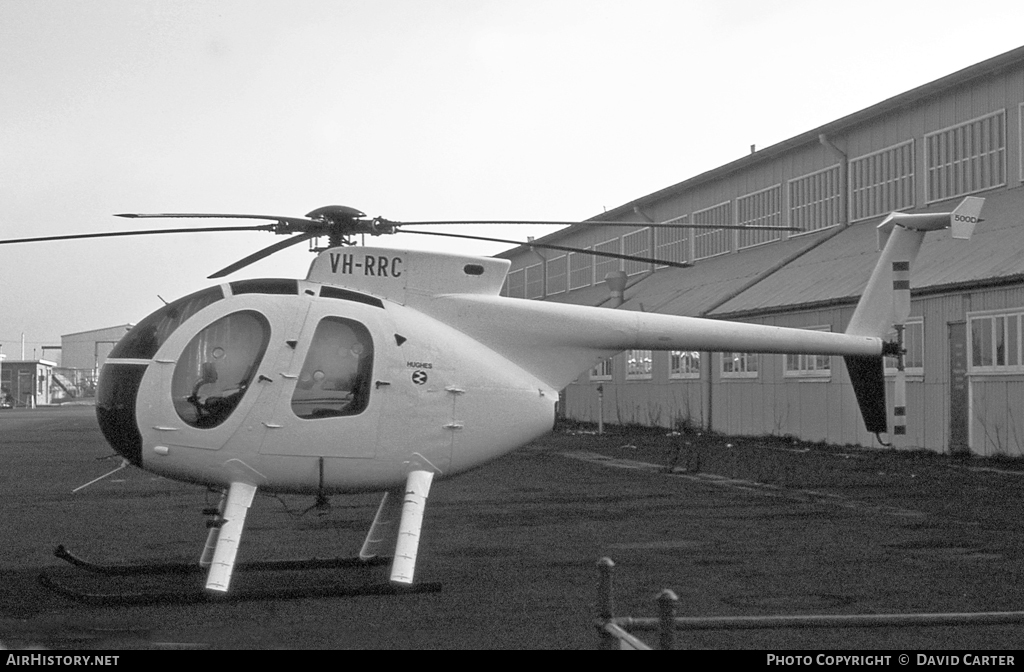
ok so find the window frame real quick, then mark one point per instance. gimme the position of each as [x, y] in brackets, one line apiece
[603, 370]
[993, 317]
[808, 366]
[824, 201]
[678, 248]
[934, 177]
[677, 372]
[556, 282]
[746, 358]
[892, 192]
[711, 237]
[912, 371]
[759, 208]
[639, 364]
[532, 282]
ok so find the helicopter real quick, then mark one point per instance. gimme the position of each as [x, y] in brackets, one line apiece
[386, 369]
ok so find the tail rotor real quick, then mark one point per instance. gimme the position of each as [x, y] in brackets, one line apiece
[901, 311]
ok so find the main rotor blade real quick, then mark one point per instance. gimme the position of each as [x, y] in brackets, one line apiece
[265, 252]
[298, 221]
[627, 257]
[115, 234]
[641, 225]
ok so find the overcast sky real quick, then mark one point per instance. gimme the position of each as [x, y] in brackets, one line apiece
[408, 109]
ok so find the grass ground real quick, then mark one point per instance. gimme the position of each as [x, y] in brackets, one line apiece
[735, 526]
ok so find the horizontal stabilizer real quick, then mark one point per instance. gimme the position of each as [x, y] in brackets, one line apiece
[961, 220]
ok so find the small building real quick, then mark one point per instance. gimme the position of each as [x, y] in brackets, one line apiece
[25, 383]
[82, 355]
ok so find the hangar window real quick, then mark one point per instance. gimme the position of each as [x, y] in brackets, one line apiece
[809, 366]
[814, 200]
[761, 208]
[995, 340]
[683, 364]
[605, 265]
[1020, 135]
[638, 364]
[535, 281]
[603, 370]
[516, 283]
[913, 343]
[581, 269]
[637, 244]
[882, 181]
[739, 365]
[672, 244]
[712, 241]
[557, 268]
[335, 378]
[966, 158]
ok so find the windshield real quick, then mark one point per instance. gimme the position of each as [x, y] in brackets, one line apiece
[147, 336]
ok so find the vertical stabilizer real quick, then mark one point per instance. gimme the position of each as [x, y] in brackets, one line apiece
[886, 298]
[899, 237]
[966, 216]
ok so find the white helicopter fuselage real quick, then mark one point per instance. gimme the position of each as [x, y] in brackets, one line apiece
[381, 362]
[436, 399]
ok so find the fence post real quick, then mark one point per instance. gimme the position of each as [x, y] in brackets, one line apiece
[605, 603]
[667, 620]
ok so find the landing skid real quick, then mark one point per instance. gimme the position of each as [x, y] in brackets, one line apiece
[185, 591]
[200, 594]
[190, 568]
[398, 521]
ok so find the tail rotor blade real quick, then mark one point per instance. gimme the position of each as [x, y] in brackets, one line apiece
[899, 422]
[901, 312]
[901, 291]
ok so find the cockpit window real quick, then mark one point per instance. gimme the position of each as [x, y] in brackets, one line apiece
[217, 367]
[147, 336]
[335, 378]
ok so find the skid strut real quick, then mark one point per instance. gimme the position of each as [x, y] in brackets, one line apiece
[417, 487]
[228, 536]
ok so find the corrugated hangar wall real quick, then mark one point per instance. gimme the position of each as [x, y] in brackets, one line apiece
[920, 151]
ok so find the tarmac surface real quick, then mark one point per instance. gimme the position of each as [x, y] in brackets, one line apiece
[734, 527]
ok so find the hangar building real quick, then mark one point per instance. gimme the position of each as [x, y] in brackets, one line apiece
[920, 151]
[82, 355]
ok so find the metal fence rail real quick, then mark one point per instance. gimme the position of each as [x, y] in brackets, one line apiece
[615, 632]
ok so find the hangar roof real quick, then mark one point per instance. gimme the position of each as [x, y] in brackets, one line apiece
[696, 290]
[837, 270]
[829, 267]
